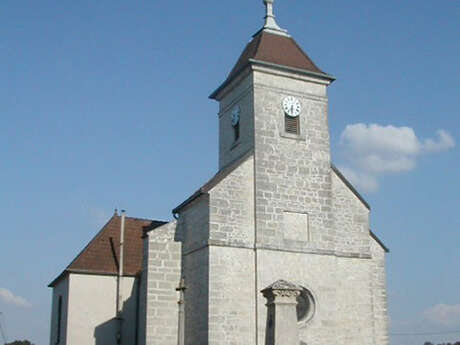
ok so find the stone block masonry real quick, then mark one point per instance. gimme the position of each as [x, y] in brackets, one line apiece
[161, 276]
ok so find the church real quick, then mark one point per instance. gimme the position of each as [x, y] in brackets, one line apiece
[276, 248]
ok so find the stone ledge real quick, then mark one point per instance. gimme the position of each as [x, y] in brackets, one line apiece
[217, 243]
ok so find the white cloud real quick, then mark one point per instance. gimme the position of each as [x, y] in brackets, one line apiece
[374, 150]
[443, 314]
[375, 138]
[8, 297]
[444, 142]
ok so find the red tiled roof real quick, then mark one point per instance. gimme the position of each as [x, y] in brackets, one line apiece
[101, 255]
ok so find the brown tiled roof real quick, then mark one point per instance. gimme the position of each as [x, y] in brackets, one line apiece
[273, 49]
[280, 50]
[101, 255]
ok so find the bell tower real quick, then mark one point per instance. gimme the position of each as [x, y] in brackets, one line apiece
[286, 82]
[274, 103]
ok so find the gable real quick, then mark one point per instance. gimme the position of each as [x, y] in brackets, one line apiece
[222, 174]
[350, 186]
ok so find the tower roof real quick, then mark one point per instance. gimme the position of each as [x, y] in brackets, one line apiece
[275, 49]
[273, 46]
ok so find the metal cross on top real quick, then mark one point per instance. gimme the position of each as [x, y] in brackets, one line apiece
[270, 22]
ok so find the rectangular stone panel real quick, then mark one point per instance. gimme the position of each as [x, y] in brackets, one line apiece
[296, 226]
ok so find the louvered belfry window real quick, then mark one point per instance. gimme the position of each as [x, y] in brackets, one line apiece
[291, 124]
[236, 131]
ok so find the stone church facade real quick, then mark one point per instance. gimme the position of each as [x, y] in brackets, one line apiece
[276, 210]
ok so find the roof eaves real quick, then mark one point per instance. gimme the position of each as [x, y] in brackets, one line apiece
[87, 272]
[350, 186]
[155, 224]
[99, 273]
[58, 278]
[374, 236]
[227, 81]
[193, 197]
[324, 76]
[306, 72]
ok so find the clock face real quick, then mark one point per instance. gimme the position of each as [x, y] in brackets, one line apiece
[236, 115]
[291, 106]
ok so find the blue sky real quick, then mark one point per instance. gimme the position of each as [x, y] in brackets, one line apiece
[103, 104]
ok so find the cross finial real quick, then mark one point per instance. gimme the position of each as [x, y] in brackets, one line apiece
[270, 22]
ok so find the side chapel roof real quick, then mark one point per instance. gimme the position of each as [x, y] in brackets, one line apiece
[101, 255]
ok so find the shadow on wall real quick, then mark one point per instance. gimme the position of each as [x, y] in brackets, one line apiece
[106, 333]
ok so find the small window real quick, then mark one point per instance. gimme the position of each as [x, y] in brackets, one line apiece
[236, 131]
[305, 306]
[59, 320]
[291, 124]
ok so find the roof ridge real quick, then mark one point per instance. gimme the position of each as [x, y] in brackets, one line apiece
[143, 219]
[259, 41]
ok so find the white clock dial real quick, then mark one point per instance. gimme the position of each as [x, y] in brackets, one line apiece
[236, 115]
[291, 106]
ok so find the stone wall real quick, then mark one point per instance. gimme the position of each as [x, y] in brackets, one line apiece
[162, 277]
[231, 296]
[196, 276]
[231, 258]
[292, 172]
[193, 224]
[193, 228]
[243, 95]
[232, 208]
[379, 295]
[351, 220]
[340, 287]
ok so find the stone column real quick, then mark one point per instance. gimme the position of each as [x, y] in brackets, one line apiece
[281, 305]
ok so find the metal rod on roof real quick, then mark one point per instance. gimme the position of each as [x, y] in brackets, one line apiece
[122, 240]
[120, 277]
